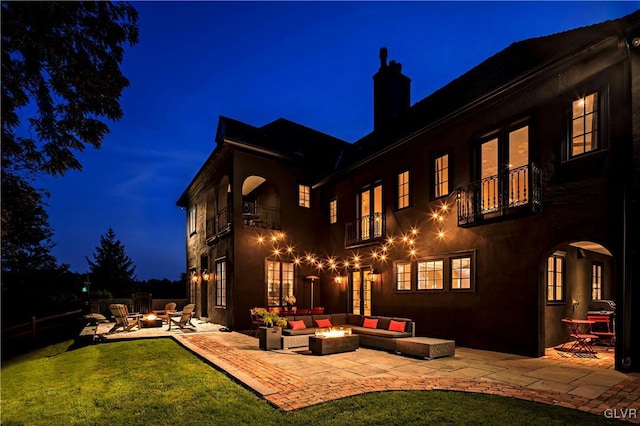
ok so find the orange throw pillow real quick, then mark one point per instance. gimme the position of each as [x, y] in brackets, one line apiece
[297, 325]
[396, 326]
[324, 323]
[370, 323]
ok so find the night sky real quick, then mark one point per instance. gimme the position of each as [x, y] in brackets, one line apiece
[311, 63]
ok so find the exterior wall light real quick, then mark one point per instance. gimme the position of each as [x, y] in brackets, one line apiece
[372, 275]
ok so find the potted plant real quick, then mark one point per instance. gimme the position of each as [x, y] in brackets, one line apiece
[270, 318]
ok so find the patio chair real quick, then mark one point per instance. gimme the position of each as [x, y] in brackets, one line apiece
[184, 317]
[164, 314]
[123, 318]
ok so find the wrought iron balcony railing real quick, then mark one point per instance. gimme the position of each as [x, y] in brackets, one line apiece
[219, 225]
[365, 229]
[498, 195]
[266, 217]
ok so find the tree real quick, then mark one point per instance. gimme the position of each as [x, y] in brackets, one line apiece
[111, 268]
[26, 235]
[61, 67]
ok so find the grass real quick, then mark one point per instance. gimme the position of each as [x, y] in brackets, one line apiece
[157, 382]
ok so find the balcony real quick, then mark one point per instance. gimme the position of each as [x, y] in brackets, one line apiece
[513, 191]
[219, 225]
[257, 216]
[365, 230]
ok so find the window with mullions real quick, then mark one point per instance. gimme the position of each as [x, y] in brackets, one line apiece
[279, 282]
[596, 280]
[555, 278]
[403, 276]
[461, 273]
[431, 275]
[441, 176]
[333, 211]
[221, 283]
[584, 125]
[403, 190]
[304, 196]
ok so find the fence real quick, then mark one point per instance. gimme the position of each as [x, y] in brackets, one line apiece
[54, 324]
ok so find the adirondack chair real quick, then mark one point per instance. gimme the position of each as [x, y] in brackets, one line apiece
[182, 318]
[123, 318]
[168, 309]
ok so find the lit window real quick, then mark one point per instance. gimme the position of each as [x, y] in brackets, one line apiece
[430, 275]
[279, 282]
[221, 283]
[441, 178]
[403, 276]
[333, 211]
[403, 189]
[596, 281]
[461, 273]
[304, 196]
[191, 225]
[555, 278]
[584, 125]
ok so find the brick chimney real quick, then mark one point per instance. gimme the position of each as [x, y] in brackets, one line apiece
[391, 92]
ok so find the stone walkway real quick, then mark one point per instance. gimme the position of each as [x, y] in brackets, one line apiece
[293, 379]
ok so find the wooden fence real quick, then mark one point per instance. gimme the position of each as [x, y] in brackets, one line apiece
[41, 326]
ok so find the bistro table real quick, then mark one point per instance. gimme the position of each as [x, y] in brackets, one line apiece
[580, 331]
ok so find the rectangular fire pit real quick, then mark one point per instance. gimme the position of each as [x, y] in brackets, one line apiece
[333, 345]
[150, 322]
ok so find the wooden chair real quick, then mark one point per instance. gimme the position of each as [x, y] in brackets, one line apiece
[123, 318]
[164, 314]
[184, 317]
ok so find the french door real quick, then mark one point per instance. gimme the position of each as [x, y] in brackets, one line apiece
[361, 294]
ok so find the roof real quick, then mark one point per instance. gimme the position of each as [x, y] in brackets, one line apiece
[517, 60]
[319, 152]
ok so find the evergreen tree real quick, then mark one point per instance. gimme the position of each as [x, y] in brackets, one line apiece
[111, 268]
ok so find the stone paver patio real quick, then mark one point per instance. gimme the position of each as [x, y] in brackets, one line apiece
[292, 379]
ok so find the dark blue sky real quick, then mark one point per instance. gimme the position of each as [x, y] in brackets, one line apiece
[311, 63]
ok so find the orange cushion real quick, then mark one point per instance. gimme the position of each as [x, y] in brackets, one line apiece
[396, 325]
[370, 323]
[297, 325]
[324, 323]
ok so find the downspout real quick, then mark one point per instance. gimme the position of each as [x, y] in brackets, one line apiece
[624, 350]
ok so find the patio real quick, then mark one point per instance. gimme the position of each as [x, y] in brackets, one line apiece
[292, 379]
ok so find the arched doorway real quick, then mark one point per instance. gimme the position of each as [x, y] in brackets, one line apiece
[578, 280]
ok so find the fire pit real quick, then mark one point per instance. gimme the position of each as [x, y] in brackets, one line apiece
[333, 340]
[333, 332]
[150, 320]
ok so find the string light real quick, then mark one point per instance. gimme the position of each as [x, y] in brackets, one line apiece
[378, 254]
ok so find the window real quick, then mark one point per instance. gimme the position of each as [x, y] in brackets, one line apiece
[461, 273]
[403, 276]
[596, 281]
[333, 211]
[191, 220]
[555, 278]
[304, 196]
[279, 282]
[403, 190]
[370, 213]
[584, 125]
[221, 283]
[193, 281]
[431, 275]
[441, 178]
[504, 157]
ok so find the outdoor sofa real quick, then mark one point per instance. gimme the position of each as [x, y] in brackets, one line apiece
[378, 332]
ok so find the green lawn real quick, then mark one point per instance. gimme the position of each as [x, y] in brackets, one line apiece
[157, 382]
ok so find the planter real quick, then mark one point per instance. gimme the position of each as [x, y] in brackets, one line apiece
[270, 338]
